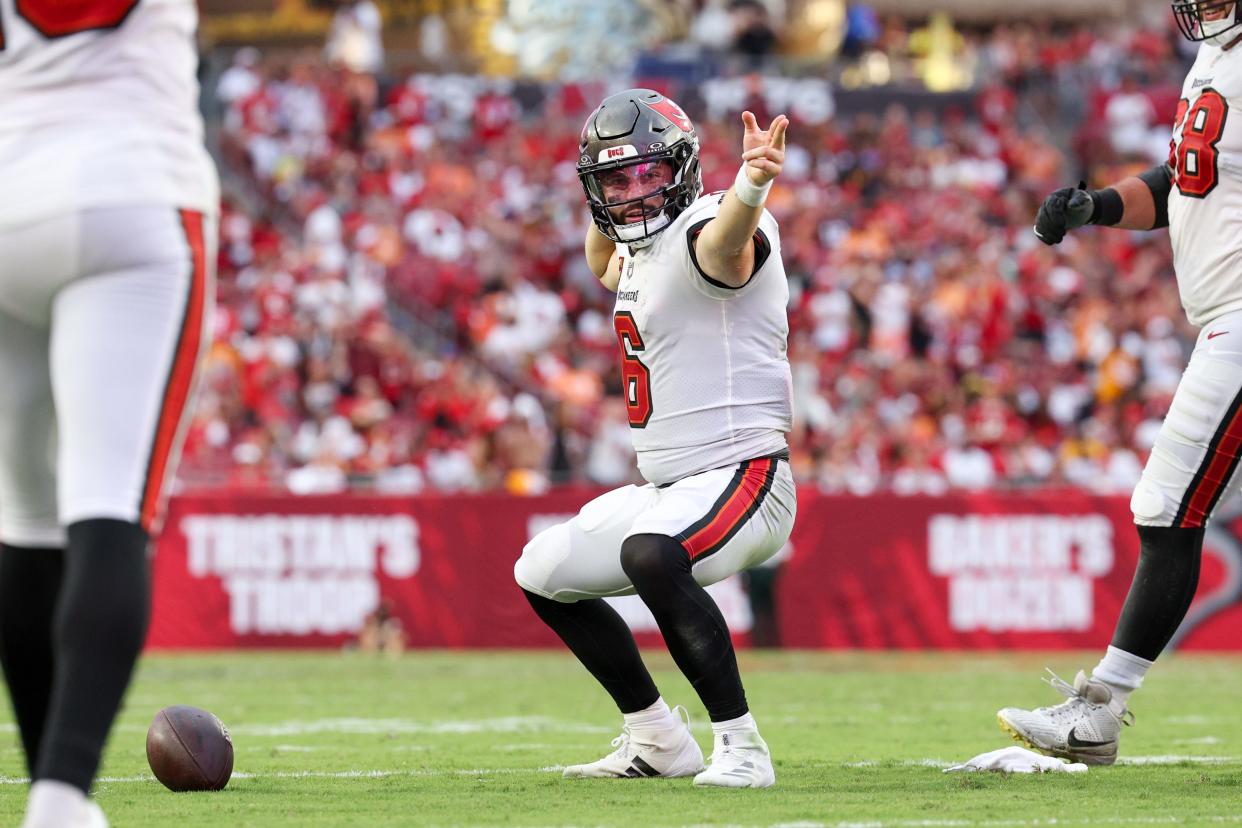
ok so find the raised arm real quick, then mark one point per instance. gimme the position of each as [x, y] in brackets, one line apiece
[724, 249]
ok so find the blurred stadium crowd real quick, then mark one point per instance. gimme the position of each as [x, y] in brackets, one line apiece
[404, 303]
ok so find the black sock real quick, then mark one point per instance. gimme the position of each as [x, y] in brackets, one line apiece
[1164, 585]
[101, 622]
[29, 584]
[693, 628]
[595, 633]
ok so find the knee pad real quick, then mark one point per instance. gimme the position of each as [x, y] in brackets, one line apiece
[1147, 504]
[540, 558]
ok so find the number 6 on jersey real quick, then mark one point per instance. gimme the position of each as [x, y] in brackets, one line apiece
[634, 374]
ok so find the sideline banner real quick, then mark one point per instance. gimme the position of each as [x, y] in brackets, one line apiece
[986, 571]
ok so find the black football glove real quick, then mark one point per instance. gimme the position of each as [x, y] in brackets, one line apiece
[1064, 210]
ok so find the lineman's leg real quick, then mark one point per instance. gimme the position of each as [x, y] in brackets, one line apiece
[565, 572]
[1193, 462]
[31, 541]
[1192, 465]
[125, 345]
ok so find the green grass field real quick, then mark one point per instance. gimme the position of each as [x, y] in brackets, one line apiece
[477, 738]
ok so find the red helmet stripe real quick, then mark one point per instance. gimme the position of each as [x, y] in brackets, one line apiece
[673, 112]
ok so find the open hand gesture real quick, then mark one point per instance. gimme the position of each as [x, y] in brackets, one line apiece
[763, 150]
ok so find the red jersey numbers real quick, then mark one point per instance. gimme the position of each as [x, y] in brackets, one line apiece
[635, 376]
[1194, 160]
[60, 18]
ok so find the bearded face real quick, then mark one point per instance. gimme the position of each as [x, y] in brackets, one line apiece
[637, 190]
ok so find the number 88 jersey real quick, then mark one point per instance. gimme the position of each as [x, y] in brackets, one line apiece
[1205, 206]
[99, 107]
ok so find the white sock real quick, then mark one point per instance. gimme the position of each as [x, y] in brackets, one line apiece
[743, 722]
[1123, 672]
[53, 803]
[655, 718]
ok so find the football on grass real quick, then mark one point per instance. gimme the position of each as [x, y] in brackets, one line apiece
[189, 749]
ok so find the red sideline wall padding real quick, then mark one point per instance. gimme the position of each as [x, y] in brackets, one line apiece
[1046, 570]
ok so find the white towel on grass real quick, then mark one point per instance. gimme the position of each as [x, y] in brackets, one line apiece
[1018, 760]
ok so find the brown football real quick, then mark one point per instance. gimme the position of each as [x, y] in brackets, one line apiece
[189, 749]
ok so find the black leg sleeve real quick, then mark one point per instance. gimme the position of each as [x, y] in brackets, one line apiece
[1164, 585]
[29, 584]
[100, 625]
[596, 634]
[690, 621]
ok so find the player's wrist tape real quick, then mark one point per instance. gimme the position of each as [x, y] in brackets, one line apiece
[748, 192]
[1109, 208]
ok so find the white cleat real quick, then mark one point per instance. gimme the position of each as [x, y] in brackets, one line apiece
[670, 753]
[58, 805]
[740, 759]
[1085, 728]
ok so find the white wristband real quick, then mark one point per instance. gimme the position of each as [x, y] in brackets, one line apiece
[747, 192]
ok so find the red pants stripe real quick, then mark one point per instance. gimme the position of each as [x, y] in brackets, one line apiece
[180, 375]
[739, 501]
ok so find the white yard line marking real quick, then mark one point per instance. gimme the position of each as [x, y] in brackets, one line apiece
[372, 727]
[508, 724]
[1174, 760]
[347, 774]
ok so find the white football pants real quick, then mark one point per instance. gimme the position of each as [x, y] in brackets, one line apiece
[1194, 462]
[727, 519]
[103, 315]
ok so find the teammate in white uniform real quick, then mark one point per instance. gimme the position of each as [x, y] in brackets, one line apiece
[701, 321]
[107, 247]
[1198, 195]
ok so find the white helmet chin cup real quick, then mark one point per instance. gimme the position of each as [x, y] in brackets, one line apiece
[641, 234]
[1219, 32]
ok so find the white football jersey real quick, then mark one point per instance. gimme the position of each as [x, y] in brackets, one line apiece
[704, 366]
[1205, 206]
[99, 108]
